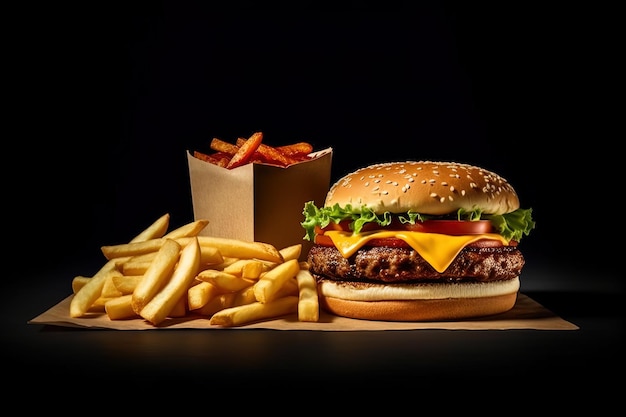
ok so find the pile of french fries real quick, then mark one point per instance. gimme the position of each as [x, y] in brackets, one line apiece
[253, 150]
[159, 275]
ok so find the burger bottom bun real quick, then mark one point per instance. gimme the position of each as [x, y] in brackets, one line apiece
[467, 301]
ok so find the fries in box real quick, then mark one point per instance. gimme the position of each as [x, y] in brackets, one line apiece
[258, 201]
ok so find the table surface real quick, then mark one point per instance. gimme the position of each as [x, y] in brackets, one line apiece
[570, 358]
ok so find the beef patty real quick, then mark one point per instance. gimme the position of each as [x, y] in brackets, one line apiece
[389, 264]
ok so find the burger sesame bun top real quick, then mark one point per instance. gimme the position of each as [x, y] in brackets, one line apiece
[427, 187]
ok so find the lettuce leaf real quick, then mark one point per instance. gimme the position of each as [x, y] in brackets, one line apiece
[512, 226]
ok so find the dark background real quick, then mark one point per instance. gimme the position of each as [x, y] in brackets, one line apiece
[106, 97]
[113, 95]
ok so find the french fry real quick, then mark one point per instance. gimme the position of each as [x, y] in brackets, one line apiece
[225, 263]
[157, 274]
[135, 268]
[291, 252]
[235, 248]
[90, 292]
[132, 249]
[224, 280]
[224, 147]
[187, 230]
[210, 256]
[98, 305]
[290, 287]
[247, 268]
[269, 283]
[145, 257]
[245, 151]
[180, 308]
[126, 284]
[78, 282]
[155, 230]
[217, 303]
[271, 155]
[109, 290]
[297, 150]
[308, 301]
[252, 270]
[161, 305]
[244, 296]
[120, 308]
[199, 295]
[247, 313]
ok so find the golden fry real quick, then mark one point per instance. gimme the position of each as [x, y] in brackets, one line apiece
[239, 315]
[247, 268]
[126, 284]
[308, 301]
[290, 287]
[78, 282]
[210, 256]
[180, 308]
[132, 249]
[188, 230]
[291, 252]
[224, 280]
[120, 308]
[155, 230]
[199, 295]
[161, 305]
[235, 248]
[145, 257]
[90, 292]
[157, 274]
[135, 268]
[244, 296]
[109, 290]
[217, 303]
[268, 285]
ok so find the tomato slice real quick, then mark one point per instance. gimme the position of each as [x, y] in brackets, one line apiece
[446, 227]
[452, 227]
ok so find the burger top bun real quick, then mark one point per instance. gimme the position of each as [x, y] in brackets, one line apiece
[427, 187]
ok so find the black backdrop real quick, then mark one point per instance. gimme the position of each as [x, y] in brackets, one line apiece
[113, 95]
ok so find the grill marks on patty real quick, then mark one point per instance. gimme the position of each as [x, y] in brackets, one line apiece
[388, 265]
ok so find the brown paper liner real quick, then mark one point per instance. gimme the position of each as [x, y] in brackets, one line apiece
[525, 314]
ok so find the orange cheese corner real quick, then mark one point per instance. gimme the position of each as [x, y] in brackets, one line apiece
[437, 249]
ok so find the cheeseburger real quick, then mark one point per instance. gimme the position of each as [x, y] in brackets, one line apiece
[417, 241]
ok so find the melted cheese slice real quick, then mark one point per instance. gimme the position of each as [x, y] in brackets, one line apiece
[437, 249]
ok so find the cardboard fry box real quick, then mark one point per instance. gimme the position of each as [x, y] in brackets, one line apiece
[257, 202]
